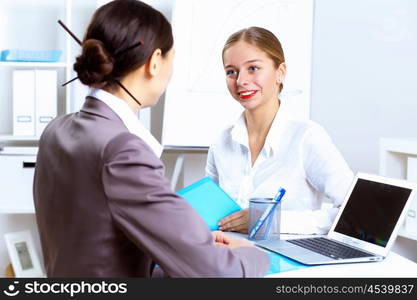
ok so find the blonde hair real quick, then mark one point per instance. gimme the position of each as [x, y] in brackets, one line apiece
[262, 39]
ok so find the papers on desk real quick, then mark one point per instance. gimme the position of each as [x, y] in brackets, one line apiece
[209, 200]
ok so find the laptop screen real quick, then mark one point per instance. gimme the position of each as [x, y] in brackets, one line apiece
[372, 211]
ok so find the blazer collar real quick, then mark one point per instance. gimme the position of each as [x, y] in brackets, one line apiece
[102, 103]
[98, 108]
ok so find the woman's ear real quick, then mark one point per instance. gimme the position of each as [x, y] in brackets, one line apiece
[154, 64]
[281, 73]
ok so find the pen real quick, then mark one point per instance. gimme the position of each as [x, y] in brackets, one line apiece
[267, 212]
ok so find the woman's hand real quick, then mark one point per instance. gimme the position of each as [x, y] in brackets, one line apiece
[237, 221]
[221, 239]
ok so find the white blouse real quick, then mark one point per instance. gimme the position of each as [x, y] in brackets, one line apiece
[299, 156]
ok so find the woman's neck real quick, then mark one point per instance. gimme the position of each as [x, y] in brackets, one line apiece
[259, 120]
[121, 94]
[134, 83]
[258, 123]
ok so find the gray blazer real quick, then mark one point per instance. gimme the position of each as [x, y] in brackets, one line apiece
[105, 209]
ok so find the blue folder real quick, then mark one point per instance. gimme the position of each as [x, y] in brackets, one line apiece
[213, 204]
[18, 55]
[210, 201]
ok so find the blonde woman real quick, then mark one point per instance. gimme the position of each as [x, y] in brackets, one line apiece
[267, 148]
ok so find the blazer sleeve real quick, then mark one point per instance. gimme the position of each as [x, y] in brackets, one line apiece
[162, 224]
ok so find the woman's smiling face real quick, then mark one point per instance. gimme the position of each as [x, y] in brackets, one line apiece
[251, 75]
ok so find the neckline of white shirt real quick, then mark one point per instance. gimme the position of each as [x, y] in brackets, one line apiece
[128, 117]
[240, 132]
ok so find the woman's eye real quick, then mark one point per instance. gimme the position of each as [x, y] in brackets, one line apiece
[230, 72]
[253, 68]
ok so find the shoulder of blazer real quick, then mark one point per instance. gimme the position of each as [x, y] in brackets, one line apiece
[132, 145]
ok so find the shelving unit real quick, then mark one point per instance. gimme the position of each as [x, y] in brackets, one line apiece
[32, 64]
[38, 31]
[12, 138]
[33, 25]
[27, 25]
[406, 234]
[20, 210]
[17, 165]
[398, 159]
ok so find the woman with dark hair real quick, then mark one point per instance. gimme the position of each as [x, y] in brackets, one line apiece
[103, 206]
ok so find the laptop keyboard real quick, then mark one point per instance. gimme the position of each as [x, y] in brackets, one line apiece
[329, 248]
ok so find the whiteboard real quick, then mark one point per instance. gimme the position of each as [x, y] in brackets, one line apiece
[197, 103]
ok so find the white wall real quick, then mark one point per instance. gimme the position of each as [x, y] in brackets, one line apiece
[364, 85]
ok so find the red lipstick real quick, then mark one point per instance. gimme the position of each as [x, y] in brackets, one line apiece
[247, 94]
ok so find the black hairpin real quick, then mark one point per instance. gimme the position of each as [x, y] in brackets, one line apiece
[117, 54]
[123, 51]
[64, 84]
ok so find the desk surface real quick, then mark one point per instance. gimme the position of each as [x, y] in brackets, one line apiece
[394, 265]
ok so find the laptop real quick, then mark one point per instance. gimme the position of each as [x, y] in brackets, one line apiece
[364, 229]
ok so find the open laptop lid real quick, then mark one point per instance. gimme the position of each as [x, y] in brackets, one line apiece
[372, 213]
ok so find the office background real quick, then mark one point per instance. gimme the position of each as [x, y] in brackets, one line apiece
[363, 89]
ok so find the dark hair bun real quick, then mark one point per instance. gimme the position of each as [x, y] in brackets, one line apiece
[94, 65]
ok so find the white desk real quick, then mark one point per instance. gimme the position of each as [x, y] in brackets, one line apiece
[394, 265]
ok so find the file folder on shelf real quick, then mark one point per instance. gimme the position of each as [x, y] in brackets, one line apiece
[30, 55]
[24, 102]
[46, 98]
[209, 200]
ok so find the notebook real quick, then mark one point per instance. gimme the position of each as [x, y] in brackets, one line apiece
[209, 200]
[365, 228]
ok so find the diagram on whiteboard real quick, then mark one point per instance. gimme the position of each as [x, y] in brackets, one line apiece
[205, 64]
[198, 92]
